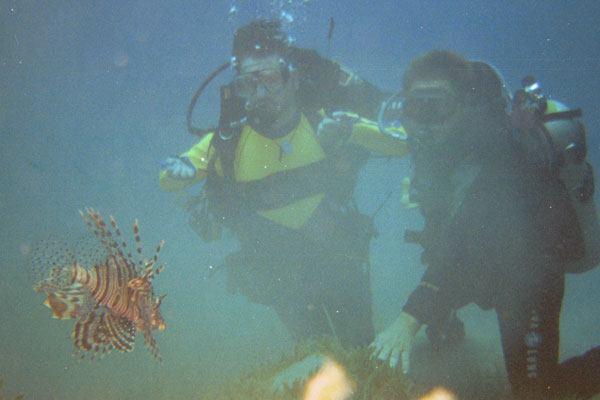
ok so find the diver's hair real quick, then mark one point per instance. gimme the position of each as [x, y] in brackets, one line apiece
[260, 38]
[476, 80]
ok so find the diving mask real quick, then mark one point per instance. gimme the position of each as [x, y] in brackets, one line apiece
[423, 107]
[429, 106]
[246, 85]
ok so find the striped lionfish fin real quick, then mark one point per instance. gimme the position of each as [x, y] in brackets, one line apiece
[141, 268]
[95, 222]
[101, 332]
[121, 333]
[142, 285]
[72, 302]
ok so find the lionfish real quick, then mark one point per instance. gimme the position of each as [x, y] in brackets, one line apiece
[109, 294]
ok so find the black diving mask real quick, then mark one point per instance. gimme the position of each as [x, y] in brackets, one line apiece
[271, 79]
[429, 106]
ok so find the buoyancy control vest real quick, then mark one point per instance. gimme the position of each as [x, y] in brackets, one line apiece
[233, 195]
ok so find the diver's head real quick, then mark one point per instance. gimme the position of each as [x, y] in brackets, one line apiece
[264, 78]
[446, 97]
[260, 38]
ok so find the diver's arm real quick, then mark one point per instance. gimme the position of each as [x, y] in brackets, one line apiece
[428, 302]
[199, 156]
[357, 94]
[348, 128]
[366, 133]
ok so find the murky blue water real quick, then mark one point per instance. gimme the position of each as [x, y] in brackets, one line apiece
[93, 95]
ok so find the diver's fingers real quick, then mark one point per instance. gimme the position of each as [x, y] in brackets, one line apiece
[327, 126]
[394, 356]
[338, 114]
[382, 352]
[377, 351]
[168, 162]
[374, 349]
[405, 361]
[326, 121]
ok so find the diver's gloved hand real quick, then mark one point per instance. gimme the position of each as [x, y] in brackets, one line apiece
[179, 167]
[335, 130]
[395, 343]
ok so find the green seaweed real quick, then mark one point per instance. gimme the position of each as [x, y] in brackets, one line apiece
[373, 380]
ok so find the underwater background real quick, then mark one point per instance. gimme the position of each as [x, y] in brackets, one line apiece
[93, 96]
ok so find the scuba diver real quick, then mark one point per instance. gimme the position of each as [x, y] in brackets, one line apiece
[281, 176]
[504, 221]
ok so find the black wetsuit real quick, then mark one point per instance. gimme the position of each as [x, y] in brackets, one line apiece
[316, 287]
[499, 234]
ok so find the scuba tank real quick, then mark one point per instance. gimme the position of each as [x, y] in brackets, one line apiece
[550, 135]
[578, 176]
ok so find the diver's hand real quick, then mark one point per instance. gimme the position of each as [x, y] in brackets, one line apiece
[395, 342]
[333, 131]
[179, 167]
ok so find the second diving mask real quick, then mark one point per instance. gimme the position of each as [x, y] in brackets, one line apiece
[429, 106]
[424, 107]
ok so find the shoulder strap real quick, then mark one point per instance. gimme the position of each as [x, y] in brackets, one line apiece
[225, 152]
[233, 200]
[227, 134]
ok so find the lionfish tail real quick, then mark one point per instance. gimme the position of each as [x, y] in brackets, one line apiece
[65, 298]
[67, 303]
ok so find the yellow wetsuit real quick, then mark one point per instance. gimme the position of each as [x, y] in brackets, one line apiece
[258, 156]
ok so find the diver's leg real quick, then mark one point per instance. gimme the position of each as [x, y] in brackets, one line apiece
[282, 284]
[348, 305]
[329, 301]
[301, 317]
[530, 338]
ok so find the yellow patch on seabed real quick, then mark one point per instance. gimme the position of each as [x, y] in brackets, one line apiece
[438, 394]
[330, 383]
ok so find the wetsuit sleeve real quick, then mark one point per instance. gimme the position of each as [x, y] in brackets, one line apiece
[472, 253]
[428, 303]
[355, 94]
[366, 134]
[199, 155]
